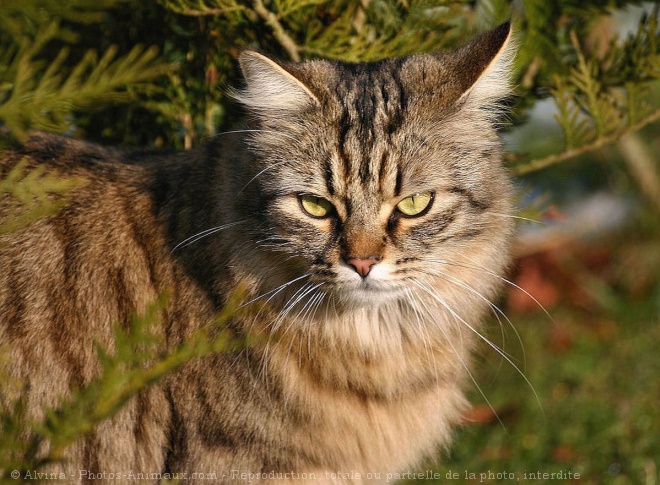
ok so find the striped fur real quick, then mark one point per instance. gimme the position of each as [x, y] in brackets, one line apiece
[353, 374]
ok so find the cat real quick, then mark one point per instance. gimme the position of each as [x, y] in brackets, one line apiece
[365, 205]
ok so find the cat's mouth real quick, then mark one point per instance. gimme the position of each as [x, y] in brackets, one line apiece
[370, 291]
[377, 287]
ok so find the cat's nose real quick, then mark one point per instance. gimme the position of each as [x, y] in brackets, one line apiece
[362, 266]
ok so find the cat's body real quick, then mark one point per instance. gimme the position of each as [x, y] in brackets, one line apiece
[373, 297]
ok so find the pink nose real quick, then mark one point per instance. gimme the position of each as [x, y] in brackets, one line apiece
[362, 266]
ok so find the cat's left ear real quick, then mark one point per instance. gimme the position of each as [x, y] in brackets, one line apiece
[485, 66]
[270, 88]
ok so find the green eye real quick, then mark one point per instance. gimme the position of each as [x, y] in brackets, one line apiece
[316, 206]
[415, 205]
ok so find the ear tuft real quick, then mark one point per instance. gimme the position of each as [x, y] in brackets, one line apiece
[487, 65]
[270, 87]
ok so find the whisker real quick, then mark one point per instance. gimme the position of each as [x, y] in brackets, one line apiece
[494, 308]
[511, 216]
[292, 321]
[309, 308]
[303, 291]
[511, 283]
[422, 326]
[478, 267]
[449, 340]
[270, 167]
[206, 232]
[233, 132]
[433, 294]
[275, 291]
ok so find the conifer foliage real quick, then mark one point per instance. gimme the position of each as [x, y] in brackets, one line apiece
[156, 73]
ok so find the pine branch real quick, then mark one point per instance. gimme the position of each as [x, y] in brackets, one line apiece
[29, 99]
[31, 195]
[135, 364]
[574, 123]
[204, 8]
[598, 104]
[600, 100]
[554, 159]
[289, 45]
[369, 30]
[642, 166]
[289, 8]
[81, 11]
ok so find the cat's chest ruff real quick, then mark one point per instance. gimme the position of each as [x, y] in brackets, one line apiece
[383, 436]
[378, 414]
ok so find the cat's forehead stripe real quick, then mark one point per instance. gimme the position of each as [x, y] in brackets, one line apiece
[371, 102]
[327, 172]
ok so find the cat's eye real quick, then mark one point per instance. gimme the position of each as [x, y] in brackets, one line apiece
[316, 206]
[415, 205]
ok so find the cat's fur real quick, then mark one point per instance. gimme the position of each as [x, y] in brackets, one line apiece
[352, 374]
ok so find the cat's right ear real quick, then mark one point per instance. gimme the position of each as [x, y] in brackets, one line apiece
[270, 88]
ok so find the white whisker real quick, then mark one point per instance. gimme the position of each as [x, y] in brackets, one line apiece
[296, 298]
[494, 308]
[270, 167]
[275, 291]
[420, 322]
[450, 341]
[233, 132]
[510, 283]
[521, 218]
[433, 294]
[206, 232]
[310, 307]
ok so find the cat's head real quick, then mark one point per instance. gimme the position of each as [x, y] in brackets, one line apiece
[369, 181]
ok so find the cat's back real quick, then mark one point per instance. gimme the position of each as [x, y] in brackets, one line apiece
[90, 163]
[82, 248]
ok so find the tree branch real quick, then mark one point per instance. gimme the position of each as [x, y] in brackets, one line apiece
[282, 37]
[642, 167]
[556, 158]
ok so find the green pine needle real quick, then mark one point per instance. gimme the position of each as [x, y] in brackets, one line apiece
[32, 194]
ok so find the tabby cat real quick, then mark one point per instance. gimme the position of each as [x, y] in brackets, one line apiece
[364, 204]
